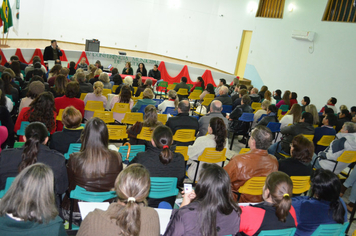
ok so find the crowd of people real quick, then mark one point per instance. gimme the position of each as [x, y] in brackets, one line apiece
[211, 208]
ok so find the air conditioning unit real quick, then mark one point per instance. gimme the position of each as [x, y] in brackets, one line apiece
[305, 35]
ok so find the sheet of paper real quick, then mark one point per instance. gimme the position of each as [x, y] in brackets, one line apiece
[164, 217]
[86, 207]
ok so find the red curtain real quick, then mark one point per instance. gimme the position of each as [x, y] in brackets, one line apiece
[19, 54]
[80, 58]
[208, 78]
[3, 58]
[63, 57]
[37, 52]
[166, 77]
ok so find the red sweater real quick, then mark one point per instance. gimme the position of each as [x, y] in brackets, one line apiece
[63, 102]
[197, 84]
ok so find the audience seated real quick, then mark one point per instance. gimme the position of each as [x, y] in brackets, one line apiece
[215, 111]
[254, 95]
[208, 90]
[198, 83]
[223, 97]
[56, 70]
[264, 105]
[60, 85]
[4, 100]
[149, 120]
[15, 58]
[285, 100]
[234, 87]
[262, 91]
[147, 100]
[323, 207]
[28, 207]
[97, 73]
[84, 87]
[141, 69]
[345, 140]
[104, 78]
[221, 83]
[5, 119]
[302, 151]
[140, 89]
[268, 96]
[36, 70]
[128, 81]
[71, 119]
[117, 81]
[123, 97]
[238, 98]
[161, 161]
[95, 167]
[305, 102]
[293, 99]
[234, 123]
[327, 129]
[35, 88]
[14, 160]
[171, 102]
[209, 209]
[344, 116]
[95, 96]
[292, 117]
[275, 212]
[129, 215]
[312, 110]
[3, 137]
[137, 81]
[216, 138]
[9, 89]
[272, 113]
[182, 85]
[330, 104]
[304, 126]
[277, 95]
[92, 69]
[256, 162]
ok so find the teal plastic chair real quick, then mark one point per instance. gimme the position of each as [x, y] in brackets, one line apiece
[10, 96]
[278, 232]
[331, 230]
[284, 108]
[80, 193]
[9, 181]
[18, 144]
[82, 125]
[162, 187]
[73, 147]
[133, 152]
[24, 124]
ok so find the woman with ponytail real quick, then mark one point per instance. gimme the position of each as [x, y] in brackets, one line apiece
[276, 212]
[95, 96]
[130, 215]
[14, 160]
[324, 206]
[171, 102]
[161, 161]
[216, 138]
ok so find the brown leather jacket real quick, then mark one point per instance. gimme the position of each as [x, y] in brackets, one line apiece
[94, 184]
[242, 167]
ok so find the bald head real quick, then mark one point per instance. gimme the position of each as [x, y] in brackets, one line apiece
[216, 106]
[223, 90]
[183, 106]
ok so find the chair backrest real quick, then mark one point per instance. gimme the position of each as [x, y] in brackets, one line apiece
[301, 184]
[171, 110]
[121, 108]
[184, 151]
[23, 126]
[114, 87]
[253, 186]
[171, 87]
[163, 84]
[309, 136]
[347, 157]
[158, 101]
[82, 96]
[162, 118]
[59, 115]
[244, 150]
[94, 106]
[184, 135]
[106, 116]
[284, 108]
[261, 117]
[207, 101]
[117, 132]
[142, 109]
[145, 134]
[274, 126]
[227, 109]
[8, 184]
[162, 187]
[209, 95]
[195, 95]
[182, 91]
[210, 155]
[326, 140]
[330, 229]
[106, 92]
[246, 117]
[255, 105]
[278, 232]
[18, 144]
[199, 89]
[164, 205]
[84, 195]
[73, 147]
[134, 149]
[132, 117]
[257, 109]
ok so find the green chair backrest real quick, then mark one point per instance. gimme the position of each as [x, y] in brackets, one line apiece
[73, 147]
[278, 232]
[162, 187]
[84, 195]
[198, 88]
[82, 125]
[133, 152]
[190, 86]
[284, 108]
[9, 181]
[18, 144]
[9, 96]
[330, 229]
[23, 126]
[163, 84]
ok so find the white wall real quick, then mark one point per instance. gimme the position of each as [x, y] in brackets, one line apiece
[209, 32]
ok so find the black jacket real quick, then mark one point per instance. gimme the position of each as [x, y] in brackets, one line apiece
[48, 53]
[60, 140]
[237, 112]
[293, 167]
[11, 158]
[289, 132]
[182, 121]
[154, 74]
[265, 120]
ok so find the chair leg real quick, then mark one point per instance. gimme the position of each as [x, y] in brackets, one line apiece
[196, 172]
[71, 213]
[232, 140]
[351, 220]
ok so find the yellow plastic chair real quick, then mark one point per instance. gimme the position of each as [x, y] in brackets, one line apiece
[117, 132]
[135, 89]
[209, 95]
[131, 118]
[145, 134]
[326, 140]
[106, 92]
[121, 108]
[183, 92]
[301, 184]
[346, 157]
[207, 101]
[184, 135]
[106, 116]
[257, 109]
[171, 87]
[162, 118]
[114, 87]
[94, 106]
[309, 136]
[253, 186]
[315, 126]
[59, 115]
[255, 105]
[244, 150]
[195, 95]
[82, 96]
[184, 151]
[210, 155]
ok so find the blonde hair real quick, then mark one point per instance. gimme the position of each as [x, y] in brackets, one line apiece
[128, 80]
[98, 88]
[71, 117]
[147, 93]
[98, 72]
[104, 77]
[343, 107]
[265, 104]
[312, 109]
[173, 94]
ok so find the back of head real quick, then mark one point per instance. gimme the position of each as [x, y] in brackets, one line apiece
[329, 110]
[64, 71]
[264, 88]
[98, 72]
[114, 71]
[332, 119]
[243, 92]
[132, 187]
[308, 117]
[184, 79]
[55, 69]
[268, 95]
[306, 100]
[312, 109]
[254, 90]
[15, 66]
[265, 104]
[36, 133]
[294, 95]
[350, 127]
[125, 94]
[210, 88]
[42, 109]
[216, 106]
[223, 90]
[117, 79]
[72, 89]
[163, 138]
[333, 100]
[98, 88]
[172, 94]
[6, 77]
[280, 188]
[286, 96]
[80, 77]
[150, 117]
[34, 89]
[213, 192]
[184, 106]
[148, 82]
[14, 58]
[296, 111]
[246, 99]
[60, 84]
[346, 113]
[262, 136]
[303, 149]
[128, 80]
[103, 77]
[37, 65]
[353, 109]
[242, 86]
[325, 185]
[219, 131]
[71, 117]
[29, 203]
[72, 64]
[147, 93]
[272, 108]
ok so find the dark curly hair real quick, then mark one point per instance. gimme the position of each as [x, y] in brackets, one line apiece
[72, 89]
[42, 109]
[219, 130]
[303, 149]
